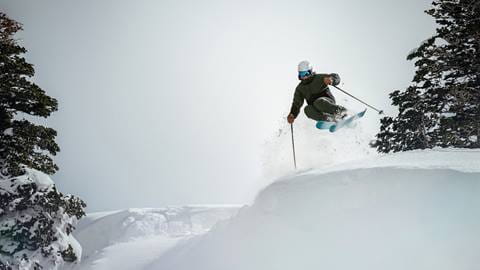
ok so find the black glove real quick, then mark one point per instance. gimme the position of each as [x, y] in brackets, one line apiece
[335, 79]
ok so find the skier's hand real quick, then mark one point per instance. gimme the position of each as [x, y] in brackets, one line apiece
[328, 80]
[290, 118]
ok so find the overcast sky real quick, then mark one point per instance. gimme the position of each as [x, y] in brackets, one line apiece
[169, 102]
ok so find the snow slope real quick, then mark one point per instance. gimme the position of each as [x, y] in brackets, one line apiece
[133, 238]
[413, 210]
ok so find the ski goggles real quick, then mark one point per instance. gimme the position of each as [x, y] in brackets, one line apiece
[303, 74]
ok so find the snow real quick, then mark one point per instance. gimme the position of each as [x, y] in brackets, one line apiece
[410, 210]
[449, 114]
[318, 148]
[133, 238]
[131, 255]
[8, 132]
[42, 180]
[77, 248]
[14, 215]
[416, 210]
[465, 160]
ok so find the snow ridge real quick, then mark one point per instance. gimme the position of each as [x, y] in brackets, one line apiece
[408, 211]
[132, 238]
[411, 210]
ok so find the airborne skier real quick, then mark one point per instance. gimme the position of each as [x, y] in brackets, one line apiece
[314, 89]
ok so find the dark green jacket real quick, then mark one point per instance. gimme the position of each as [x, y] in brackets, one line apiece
[310, 90]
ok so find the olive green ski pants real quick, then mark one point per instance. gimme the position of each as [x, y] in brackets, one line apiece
[323, 108]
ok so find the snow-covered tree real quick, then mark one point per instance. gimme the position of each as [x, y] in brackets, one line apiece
[442, 105]
[36, 220]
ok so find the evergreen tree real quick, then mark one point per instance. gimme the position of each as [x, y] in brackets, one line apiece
[22, 142]
[36, 221]
[442, 105]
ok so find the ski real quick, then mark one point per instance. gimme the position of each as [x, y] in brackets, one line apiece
[346, 121]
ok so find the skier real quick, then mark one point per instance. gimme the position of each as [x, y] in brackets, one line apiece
[314, 89]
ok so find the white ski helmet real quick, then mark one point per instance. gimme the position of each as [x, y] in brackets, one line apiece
[304, 66]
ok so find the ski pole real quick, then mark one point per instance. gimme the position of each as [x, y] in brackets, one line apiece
[293, 145]
[379, 111]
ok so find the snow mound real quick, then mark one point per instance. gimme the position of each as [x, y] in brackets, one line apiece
[131, 238]
[413, 210]
[455, 159]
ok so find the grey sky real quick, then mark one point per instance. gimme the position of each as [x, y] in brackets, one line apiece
[169, 102]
